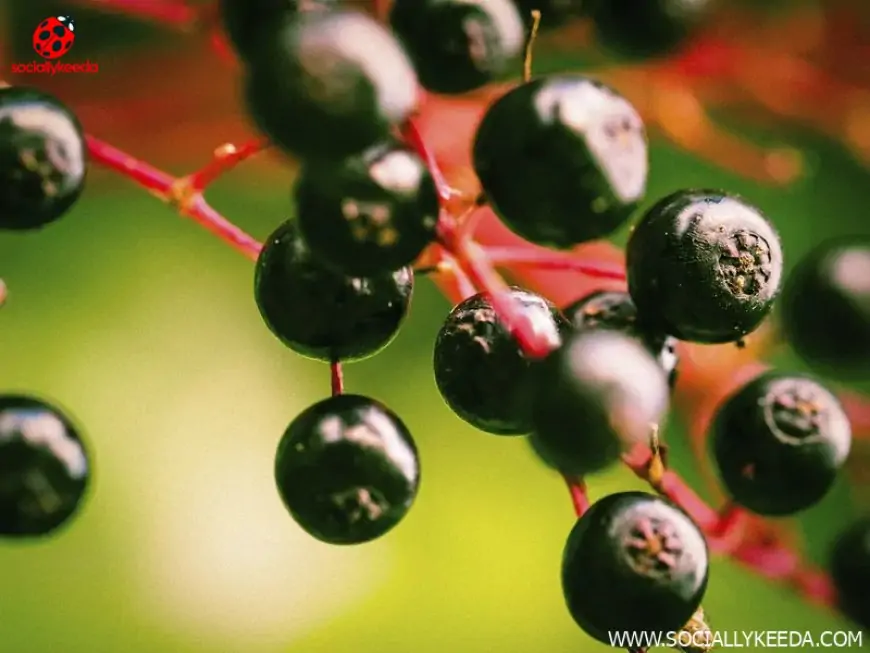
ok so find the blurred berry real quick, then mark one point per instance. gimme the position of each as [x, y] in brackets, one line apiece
[850, 571]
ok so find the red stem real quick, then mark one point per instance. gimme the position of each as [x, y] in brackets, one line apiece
[549, 260]
[336, 373]
[411, 134]
[225, 158]
[577, 490]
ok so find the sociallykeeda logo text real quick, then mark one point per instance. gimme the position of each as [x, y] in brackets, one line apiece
[52, 39]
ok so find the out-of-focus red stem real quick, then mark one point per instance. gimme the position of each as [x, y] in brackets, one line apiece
[549, 260]
[336, 374]
[411, 134]
[225, 158]
[577, 490]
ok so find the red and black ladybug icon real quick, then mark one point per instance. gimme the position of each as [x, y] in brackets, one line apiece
[53, 37]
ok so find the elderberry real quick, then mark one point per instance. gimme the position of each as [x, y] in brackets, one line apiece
[850, 571]
[347, 469]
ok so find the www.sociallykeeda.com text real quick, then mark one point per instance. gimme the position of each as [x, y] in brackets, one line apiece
[704, 640]
[55, 68]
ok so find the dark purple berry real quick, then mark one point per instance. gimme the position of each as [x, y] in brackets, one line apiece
[850, 571]
[480, 369]
[647, 28]
[778, 443]
[704, 266]
[368, 214]
[458, 46]
[563, 159]
[612, 309]
[634, 563]
[597, 395]
[347, 470]
[320, 313]
[247, 21]
[43, 159]
[329, 84]
[44, 467]
[826, 308]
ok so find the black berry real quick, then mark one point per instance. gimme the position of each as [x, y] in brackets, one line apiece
[650, 28]
[44, 467]
[247, 21]
[329, 84]
[606, 309]
[704, 266]
[634, 563]
[597, 395]
[562, 159]
[323, 314]
[480, 369]
[43, 159]
[347, 469]
[826, 308]
[850, 571]
[368, 214]
[458, 46]
[778, 443]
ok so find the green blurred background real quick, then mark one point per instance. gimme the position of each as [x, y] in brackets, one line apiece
[145, 327]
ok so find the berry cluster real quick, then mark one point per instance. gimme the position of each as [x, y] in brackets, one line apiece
[562, 160]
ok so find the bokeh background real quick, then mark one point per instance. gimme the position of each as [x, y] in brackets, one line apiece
[145, 328]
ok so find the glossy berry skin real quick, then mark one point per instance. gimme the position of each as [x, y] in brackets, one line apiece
[43, 160]
[649, 28]
[368, 214]
[329, 84]
[320, 313]
[850, 571]
[606, 309]
[596, 396]
[247, 21]
[563, 160]
[458, 46]
[826, 308]
[347, 469]
[704, 267]
[480, 370]
[778, 443]
[44, 468]
[634, 562]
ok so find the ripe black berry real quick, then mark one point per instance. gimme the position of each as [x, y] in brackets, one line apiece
[368, 214]
[826, 308]
[247, 21]
[320, 313]
[480, 369]
[44, 467]
[458, 46]
[634, 562]
[329, 84]
[647, 29]
[850, 571]
[703, 266]
[595, 396]
[43, 158]
[614, 310]
[779, 442]
[562, 159]
[347, 469]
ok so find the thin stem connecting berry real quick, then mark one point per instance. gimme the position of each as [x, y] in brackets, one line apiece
[336, 375]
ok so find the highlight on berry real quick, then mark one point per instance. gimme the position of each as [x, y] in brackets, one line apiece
[420, 150]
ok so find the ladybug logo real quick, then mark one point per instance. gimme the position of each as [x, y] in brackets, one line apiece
[54, 37]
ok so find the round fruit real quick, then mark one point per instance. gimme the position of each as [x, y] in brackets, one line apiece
[597, 395]
[456, 45]
[647, 29]
[44, 467]
[703, 266]
[480, 368]
[329, 84]
[826, 308]
[605, 309]
[563, 160]
[850, 571]
[320, 313]
[779, 442]
[247, 21]
[368, 214]
[347, 469]
[43, 159]
[634, 563]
